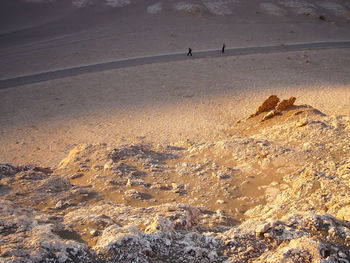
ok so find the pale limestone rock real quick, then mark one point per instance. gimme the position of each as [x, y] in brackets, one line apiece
[281, 230]
[30, 237]
[71, 156]
[161, 224]
[192, 216]
[176, 187]
[344, 213]
[108, 166]
[271, 193]
[312, 246]
[116, 235]
[132, 193]
[270, 115]
[262, 228]
[298, 250]
[59, 204]
[222, 175]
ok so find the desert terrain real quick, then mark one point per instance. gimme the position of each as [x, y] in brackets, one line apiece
[218, 157]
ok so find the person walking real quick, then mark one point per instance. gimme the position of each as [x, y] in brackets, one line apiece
[223, 48]
[189, 52]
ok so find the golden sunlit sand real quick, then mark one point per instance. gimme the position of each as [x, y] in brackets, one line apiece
[174, 161]
[163, 102]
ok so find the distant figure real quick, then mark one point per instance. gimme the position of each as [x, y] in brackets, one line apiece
[189, 52]
[223, 48]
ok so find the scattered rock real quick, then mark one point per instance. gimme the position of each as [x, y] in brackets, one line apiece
[108, 166]
[133, 194]
[75, 176]
[28, 236]
[59, 204]
[71, 158]
[299, 214]
[161, 224]
[270, 114]
[98, 168]
[344, 213]
[94, 232]
[223, 175]
[134, 182]
[7, 170]
[192, 216]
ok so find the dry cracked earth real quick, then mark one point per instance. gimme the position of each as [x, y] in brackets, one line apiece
[275, 188]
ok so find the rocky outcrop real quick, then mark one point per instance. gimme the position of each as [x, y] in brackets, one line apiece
[285, 104]
[276, 191]
[299, 237]
[28, 236]
[273, 106]
[268, 104]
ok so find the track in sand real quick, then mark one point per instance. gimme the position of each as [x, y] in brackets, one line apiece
[74, 71]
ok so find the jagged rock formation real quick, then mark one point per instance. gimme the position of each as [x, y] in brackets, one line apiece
[268, 104]
[273, 106]
[272, 191]
[285, 104]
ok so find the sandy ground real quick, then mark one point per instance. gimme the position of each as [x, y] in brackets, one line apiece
[163, 102]
[166, 102]
[184, 103]
[47, 35]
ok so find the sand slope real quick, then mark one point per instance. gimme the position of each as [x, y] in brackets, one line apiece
[57, 34]
[163, 102]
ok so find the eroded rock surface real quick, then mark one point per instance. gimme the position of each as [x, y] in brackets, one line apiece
[269, 103]
[273, 106]
[30, 236]
[285, 104]
[272, 191]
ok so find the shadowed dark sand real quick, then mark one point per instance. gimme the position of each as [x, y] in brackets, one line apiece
[69, 72]
[56, 35]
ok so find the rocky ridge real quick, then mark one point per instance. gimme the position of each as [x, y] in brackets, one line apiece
[272, 189]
